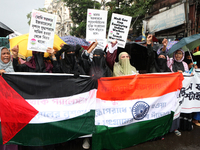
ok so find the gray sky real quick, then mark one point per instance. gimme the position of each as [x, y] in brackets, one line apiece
[13, 13]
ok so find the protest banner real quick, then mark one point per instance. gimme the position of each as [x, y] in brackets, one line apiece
[190, 94]
[41, 33]
[119, 28]
[96, 26]
[121, 107]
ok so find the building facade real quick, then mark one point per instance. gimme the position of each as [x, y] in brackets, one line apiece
[64, 22]
[178, 18]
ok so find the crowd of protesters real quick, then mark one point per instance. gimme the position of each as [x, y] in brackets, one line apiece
[101, 63]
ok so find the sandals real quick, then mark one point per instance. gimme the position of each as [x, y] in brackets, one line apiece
[196, 122]
[178, 133]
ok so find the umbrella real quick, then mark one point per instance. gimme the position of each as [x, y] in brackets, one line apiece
[5, 30]
[187, 43]
[138, 54]
[22, 41]
[72, 40]
[196, 53]
[169, 45]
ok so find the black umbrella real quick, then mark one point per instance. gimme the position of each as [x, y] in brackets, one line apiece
[5, 30]
[138, 54]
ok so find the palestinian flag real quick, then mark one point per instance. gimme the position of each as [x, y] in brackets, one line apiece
[134, 109]
[43, 109]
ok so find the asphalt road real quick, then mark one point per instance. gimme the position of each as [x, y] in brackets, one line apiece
[189, 140]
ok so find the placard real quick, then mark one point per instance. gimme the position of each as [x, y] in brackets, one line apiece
[96, 26]
[119, 28]
[41, 33]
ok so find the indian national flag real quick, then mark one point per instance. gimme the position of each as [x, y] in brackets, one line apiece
[43, 109]
[134, 109]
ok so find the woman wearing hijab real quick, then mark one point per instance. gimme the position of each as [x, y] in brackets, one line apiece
[6, 66]
[157, 61]
[37, 63]
[72, 62]
[5, 61]
[123, 67]
[176, 64]
[99, 66]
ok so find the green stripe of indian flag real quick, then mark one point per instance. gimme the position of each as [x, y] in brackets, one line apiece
[59, 109]
[132, 134]
[121, 112]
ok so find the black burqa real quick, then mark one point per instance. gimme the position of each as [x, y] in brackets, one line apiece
[37, 63]
[161, 63]
[72, 62]
[155, 64]
[99, 67]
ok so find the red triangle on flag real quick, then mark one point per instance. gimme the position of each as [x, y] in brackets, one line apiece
[15, 111]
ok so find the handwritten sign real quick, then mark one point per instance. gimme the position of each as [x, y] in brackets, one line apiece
[119, 28]
[41, 33]
[96, 26]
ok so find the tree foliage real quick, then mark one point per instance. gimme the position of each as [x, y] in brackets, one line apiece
[134, 8]
[28, 16]
[78, 13]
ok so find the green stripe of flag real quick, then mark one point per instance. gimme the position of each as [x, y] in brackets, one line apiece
[130, 135]
[55, 132]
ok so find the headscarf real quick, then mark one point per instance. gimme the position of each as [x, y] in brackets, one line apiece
[72, 62]
[99, 67]
[178, 65]
[8, 67]
[188, 61]
[161, 63]
[123, 67]
[39, 63]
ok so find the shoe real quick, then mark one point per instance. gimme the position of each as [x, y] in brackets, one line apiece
[178, 133]
[196, 122]
[86, 143]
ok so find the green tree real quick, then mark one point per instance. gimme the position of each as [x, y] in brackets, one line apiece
[28, 16]
[134, 8]
[78, 13]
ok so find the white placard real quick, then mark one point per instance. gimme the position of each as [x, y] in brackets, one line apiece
[41, 33]
[119, 28]
[96, 26]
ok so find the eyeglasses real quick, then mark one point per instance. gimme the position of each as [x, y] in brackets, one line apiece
[179, 53]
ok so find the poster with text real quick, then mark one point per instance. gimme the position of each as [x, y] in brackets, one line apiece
[119, 28]
[96, 26]
[41, 32]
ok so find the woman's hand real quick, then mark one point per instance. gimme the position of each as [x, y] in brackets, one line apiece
[51, 52]
[180, 71]
[149, 39]
[61, 45]
[115, 41]
[2, 71]
[164, 42]
[92, 46]
[15, 51]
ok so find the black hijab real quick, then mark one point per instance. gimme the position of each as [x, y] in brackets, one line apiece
[161, 63]
[99, 67]
[72, 61]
